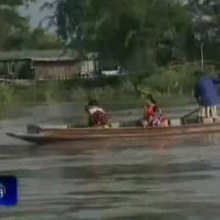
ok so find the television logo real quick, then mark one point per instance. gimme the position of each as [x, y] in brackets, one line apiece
[8, 191]
[2, 191]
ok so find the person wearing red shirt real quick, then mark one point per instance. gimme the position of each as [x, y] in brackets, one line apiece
[153, 115]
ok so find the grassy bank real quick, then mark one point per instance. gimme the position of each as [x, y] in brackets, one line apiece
[15, 110]
[11, 96]
[171, 86]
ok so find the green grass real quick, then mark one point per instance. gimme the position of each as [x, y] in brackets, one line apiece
[171, 86]
[53, 93]
[12, 98]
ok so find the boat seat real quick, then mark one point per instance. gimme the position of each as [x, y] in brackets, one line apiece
[207, 120]
[175, 122]
[133, 123]
[217, 119]
[115, 124]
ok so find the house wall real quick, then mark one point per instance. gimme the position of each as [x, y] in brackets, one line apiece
[48, 69]
[88, 67]
[56, 70]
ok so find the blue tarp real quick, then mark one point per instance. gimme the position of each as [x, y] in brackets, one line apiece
[207, 92]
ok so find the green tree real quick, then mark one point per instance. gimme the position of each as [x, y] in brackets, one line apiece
[206, 31]
[41, 40]
[13, 25]
[69, 18]
[16, 33]
[118, 28]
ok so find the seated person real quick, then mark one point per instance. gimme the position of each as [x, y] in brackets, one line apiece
[97, 116]
[153, 115]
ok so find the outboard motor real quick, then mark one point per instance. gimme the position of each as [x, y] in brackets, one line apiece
[33, 129]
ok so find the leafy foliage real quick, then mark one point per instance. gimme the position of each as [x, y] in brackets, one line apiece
[139, 31]
[15, 31]
[118, 28]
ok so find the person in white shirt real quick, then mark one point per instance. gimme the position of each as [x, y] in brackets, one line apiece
[97, 115]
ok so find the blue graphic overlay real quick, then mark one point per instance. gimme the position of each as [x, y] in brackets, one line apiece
[8, 191]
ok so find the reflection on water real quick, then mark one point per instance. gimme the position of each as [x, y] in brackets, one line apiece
[169, 178]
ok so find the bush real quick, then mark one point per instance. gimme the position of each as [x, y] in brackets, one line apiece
[171, 80]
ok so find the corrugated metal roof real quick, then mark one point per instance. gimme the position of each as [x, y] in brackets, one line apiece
[42, 56]
[27, 54]
[51, 59]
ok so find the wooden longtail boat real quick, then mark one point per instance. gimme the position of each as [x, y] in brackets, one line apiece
[47, 134]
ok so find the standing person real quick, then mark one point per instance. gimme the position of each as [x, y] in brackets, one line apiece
[97, 115]
[206, 95]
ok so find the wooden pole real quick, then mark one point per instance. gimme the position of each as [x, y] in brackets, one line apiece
[202, 55]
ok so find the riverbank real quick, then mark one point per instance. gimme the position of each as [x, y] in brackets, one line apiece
[76, 107]
[54, 93]
[113, 93]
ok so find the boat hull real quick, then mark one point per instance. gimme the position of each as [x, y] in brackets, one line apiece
[47, 135]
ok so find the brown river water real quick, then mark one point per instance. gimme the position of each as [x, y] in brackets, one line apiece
[163, 178]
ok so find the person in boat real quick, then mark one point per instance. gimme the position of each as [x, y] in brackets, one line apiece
[153, 116]
[97, 117]
[206, 94]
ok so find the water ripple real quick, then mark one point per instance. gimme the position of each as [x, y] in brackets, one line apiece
[179, 180]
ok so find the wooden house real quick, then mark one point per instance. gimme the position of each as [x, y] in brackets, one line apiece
[48, 68]
[54, 69]
[62, 69]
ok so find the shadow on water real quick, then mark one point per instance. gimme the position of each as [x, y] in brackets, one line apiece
[116, 144]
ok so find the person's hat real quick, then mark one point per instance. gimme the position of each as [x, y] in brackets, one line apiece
[92, 102]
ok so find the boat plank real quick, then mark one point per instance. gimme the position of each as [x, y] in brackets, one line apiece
[46, 135]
